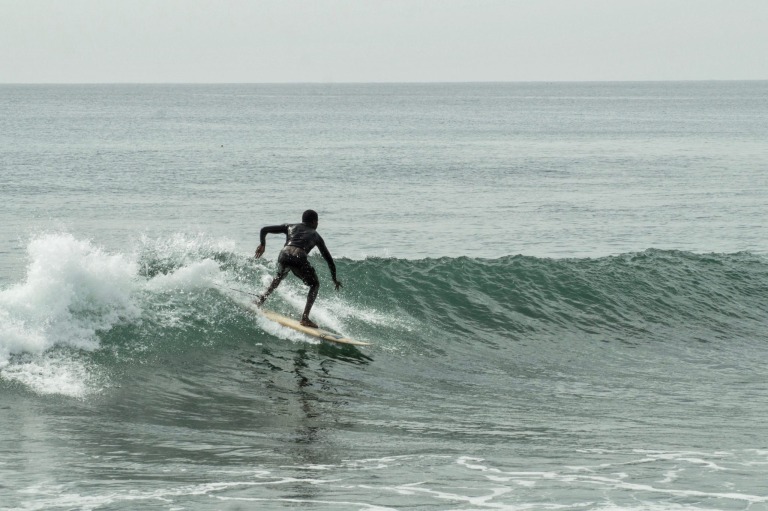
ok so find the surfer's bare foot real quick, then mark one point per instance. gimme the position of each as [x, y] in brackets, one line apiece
[308, 322]
[260, 301]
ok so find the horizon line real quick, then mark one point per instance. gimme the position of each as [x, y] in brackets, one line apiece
[447, 82]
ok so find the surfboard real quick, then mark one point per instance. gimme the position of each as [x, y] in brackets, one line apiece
[314, 332]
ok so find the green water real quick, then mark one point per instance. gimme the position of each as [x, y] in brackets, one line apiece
[563, 284]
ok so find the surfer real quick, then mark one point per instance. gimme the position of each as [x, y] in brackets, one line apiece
[300, 240]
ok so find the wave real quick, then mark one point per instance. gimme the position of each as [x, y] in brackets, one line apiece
[82, 308]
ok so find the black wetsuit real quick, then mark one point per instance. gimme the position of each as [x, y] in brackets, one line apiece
[300, 240]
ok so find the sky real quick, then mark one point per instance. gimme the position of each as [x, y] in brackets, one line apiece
[279, 41]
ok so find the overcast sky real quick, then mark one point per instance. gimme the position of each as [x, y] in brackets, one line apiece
[215, 41]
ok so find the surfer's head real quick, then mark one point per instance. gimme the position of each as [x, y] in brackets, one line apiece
[309, 217]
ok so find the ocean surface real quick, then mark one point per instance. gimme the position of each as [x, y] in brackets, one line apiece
[565, 286]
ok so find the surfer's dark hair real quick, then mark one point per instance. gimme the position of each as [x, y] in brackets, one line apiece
[309, 216]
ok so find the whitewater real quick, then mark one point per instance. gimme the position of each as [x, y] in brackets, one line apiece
[563, 286]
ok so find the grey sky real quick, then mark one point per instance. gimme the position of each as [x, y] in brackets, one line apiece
[85, 41]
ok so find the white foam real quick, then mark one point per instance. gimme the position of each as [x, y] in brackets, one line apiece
[617, 481]
[182, 248]
[55, 374]
[196, 275]
[282, 332]
[332, 311]
[72, 290]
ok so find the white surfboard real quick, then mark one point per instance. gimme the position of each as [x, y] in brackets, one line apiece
[314, 332]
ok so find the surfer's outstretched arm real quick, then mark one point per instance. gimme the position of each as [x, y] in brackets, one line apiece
[270, 229]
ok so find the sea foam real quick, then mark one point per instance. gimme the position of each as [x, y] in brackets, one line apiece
[72, 290]
[75, 290]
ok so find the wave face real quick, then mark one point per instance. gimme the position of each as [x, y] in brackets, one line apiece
[81, 308]
[621, 382]
[649, 296]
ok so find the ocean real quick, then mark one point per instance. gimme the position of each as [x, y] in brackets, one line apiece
[565, 286]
